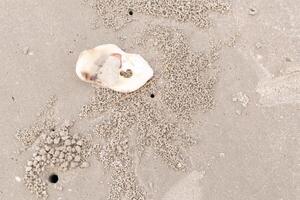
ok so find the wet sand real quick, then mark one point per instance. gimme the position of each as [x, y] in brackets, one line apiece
[219, 120]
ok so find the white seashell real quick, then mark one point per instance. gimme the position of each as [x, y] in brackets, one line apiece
[89, 61]
[112, 68]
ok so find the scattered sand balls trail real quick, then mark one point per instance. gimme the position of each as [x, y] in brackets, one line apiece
[154, 129]
[45, 121]
[185, 85]
[115, 156]
[117, 13]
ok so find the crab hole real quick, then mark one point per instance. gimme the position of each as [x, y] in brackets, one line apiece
[53, 178]
[130, 12]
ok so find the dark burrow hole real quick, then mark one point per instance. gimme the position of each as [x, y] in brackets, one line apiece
[152, 95]
[53, 178]
[52, 129]
[130, 12]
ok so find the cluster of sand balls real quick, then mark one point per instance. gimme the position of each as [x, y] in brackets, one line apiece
[55, 149]
[125, 184]
[116, 13]
[188, 77]
[114, 153]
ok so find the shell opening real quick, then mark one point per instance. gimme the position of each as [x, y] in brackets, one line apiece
[126, 74]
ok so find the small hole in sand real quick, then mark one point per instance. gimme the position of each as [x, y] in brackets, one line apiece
[253, 11]
[52, 129]
[152, 95]
[53, 178]
[130, 12]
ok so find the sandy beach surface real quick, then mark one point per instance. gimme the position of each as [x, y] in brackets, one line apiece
[220, 119]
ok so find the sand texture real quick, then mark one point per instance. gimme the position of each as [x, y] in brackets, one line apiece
[220, 119]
